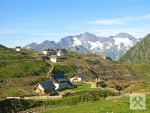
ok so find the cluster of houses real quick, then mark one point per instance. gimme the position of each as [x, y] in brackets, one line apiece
[60, 81]
[53, 54]
[56, 82]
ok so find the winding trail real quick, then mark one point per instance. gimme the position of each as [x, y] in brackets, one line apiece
[51, 69]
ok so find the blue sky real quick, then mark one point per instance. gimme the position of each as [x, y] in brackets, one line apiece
[26, 21]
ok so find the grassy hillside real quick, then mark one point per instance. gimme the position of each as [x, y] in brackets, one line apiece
[137, 87]
[139, 53]
[92, 66]
[12, 105]
[21, 64]
[121, 105]
[20, 71]
[140, 70]
[22, 68]
[11, 54]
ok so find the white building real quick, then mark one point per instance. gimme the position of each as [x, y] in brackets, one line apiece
[61, 52]
[60, 81]
[77, 77]
[18, 48]
[53, 58]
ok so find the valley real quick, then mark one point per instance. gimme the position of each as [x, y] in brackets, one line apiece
[21, 71]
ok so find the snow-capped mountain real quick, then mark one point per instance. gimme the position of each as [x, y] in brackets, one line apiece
[113, 46]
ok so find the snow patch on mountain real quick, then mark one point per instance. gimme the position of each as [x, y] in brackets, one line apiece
[108, 45]
[125, 41]
[77, 42]
[96, 44]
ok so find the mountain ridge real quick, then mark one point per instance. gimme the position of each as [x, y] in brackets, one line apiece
[113, 46]
[139, 53]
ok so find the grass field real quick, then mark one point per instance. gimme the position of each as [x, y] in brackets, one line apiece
[24, 63]
[121, 105]
[141, 70]
[82, 86]
[137, 87]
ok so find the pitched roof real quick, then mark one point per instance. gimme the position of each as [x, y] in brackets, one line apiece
[47, 84]
[56, 77]
[79, 74]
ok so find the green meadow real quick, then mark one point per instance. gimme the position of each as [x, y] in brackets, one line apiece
[121, 105]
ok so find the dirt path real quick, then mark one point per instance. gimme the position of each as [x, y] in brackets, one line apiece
[51, 69]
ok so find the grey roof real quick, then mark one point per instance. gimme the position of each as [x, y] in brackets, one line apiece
[48, 49]
[18, 46]
[58, 76]
[47, 84]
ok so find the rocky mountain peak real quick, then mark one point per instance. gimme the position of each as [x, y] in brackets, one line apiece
[125, 35]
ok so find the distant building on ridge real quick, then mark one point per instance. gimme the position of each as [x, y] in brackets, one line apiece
[18, 48]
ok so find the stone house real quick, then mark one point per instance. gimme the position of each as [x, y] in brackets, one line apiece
[45, 87]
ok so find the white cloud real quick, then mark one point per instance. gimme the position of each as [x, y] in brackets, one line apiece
[117, 21]
[143, 17]
[137, 32]
[107, 22]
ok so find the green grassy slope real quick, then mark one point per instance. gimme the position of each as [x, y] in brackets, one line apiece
[121, 105]
[21, 64]
[141, 70]
[23, 68]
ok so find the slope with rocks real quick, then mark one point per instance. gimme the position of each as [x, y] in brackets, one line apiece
[93, 66]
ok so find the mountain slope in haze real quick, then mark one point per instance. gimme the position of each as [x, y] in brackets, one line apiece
[139, 53]
[113, 46]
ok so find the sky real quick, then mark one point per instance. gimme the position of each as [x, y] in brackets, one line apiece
[25, 21]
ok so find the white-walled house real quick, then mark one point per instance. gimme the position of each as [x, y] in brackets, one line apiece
[60, 81]
[18, 48]
[106, 57]
[53, 58]
[61, 52]
[77, 77]
[44, 52]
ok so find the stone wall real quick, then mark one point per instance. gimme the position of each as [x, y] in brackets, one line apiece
[43, 97]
